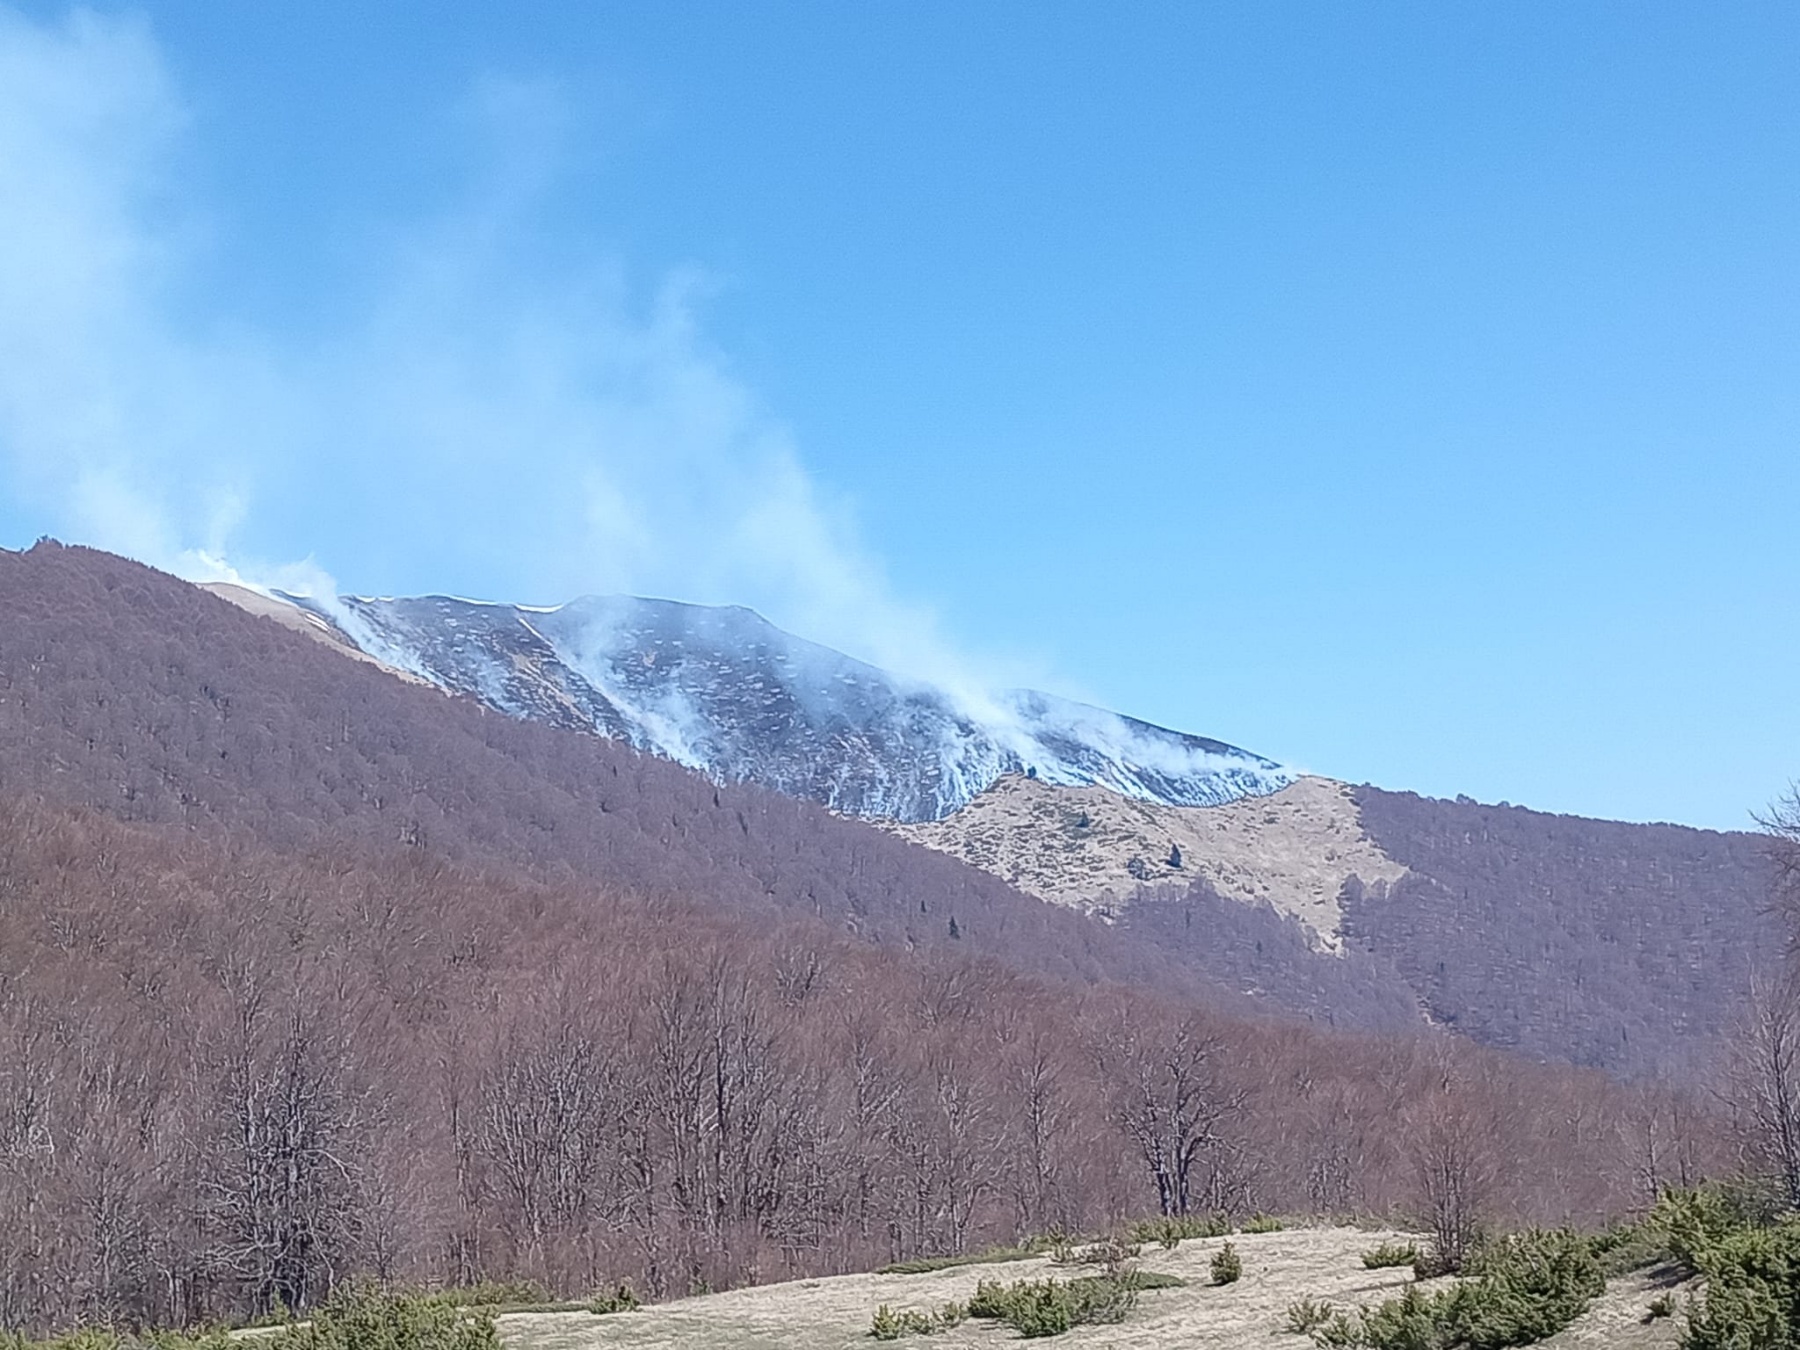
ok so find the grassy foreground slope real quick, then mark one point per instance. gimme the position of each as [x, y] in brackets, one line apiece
[1279, 1269]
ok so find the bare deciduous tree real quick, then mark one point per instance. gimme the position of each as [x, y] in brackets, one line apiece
[281, 1173]
[1454, 1161]
[580, 1086]
[1764, 1079]
[1781, 824]
[1168, 1097]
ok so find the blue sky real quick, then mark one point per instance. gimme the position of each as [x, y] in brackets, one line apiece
[1408, 392]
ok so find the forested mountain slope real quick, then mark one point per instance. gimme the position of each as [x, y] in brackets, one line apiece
[133, 692]
[236, 1076]
[1627, 947]
[1620, 946]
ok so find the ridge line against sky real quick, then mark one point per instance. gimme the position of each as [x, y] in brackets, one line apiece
[1406, 395]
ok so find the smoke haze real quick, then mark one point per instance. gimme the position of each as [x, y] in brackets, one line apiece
[544, 431]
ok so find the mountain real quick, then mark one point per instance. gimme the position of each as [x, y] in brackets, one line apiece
[724, 691]
[1622, 947]
[127, 691]
[289, 946]
[1292, 850]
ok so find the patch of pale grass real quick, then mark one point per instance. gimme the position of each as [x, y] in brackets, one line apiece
[834, 1313]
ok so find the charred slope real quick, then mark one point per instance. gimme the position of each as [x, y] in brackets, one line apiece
[1623, 947]
[724, 691]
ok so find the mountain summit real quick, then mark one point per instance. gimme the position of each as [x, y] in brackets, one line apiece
[724, 691]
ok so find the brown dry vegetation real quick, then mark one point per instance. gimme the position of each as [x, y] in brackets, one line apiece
[1292, 850]
[234, 1077]
[308, 973]
[1625, 947]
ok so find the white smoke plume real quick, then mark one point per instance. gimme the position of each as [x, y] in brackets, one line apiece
[530, 432]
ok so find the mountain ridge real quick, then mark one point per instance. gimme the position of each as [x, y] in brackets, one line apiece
[1558, 937]
[722, 690]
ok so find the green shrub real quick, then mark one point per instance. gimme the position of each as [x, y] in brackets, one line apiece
[891, 1324]
[622, 1299]
[1527, 1287]
[989, 1299]
[1340, 1331]
[1695, 1220]
[925, 1265]
[1170, 1230]
[1522, 1289]
[1432, 1264]
[1041, 1308]
[1738, 1317]
[1663, 1305]
[99, 1338]
[356, 1317]
[1308, 1315]
[1036, 1308]
[1103, 1298]
[1752, 1294]
[1390, 1254]
[214, 1339]
[490, 1294]
[1414, 1321]
[368, 1317]
[887, 1324]
[1625, 1247]
[1227, 1266]
[1263, 1223]
[1150, 1279]
[1113, 1254]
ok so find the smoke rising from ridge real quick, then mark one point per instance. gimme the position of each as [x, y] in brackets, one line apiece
[536, 431]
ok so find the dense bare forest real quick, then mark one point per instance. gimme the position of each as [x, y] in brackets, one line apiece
[234, 1077]
[1620, 946]
[1625, 947]
[306, 972]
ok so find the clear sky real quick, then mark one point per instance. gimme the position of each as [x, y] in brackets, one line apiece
[1407, 392]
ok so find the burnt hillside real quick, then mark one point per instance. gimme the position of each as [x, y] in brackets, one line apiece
[1624, 947]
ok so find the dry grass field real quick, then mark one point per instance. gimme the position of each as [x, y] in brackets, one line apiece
[1077, 846]
[1279, 1268]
